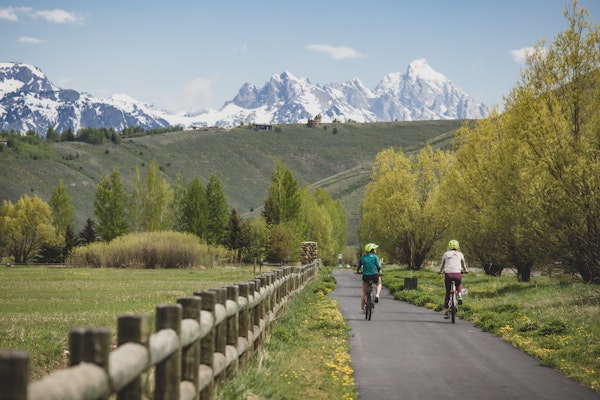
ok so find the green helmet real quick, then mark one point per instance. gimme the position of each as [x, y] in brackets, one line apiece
[370, 246]
[453, 245]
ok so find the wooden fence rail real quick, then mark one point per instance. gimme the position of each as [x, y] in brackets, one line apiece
[199, 342]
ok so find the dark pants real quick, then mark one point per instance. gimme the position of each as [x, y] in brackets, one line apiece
[448, 278]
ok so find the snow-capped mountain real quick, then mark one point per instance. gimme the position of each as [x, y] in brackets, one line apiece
[28, 100]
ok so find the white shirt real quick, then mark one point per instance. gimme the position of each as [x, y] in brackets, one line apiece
[453, 261]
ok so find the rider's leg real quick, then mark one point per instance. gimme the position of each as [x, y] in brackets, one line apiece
[448, 284]
[364, 295]
[378, 289]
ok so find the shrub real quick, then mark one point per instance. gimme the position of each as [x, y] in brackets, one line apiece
[150, 250]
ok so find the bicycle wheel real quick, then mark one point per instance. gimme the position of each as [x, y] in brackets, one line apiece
[368, 307]
[453, 308]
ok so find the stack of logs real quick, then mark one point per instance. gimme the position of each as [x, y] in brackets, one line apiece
[309, 252]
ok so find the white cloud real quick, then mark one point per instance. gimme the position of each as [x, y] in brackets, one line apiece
[336, 53]
[195, 96]
[30, 40]
[12, 13]
[57, 16]
[520, 55]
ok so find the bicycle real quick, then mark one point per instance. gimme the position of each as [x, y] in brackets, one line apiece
[453, 302]
[369, 301]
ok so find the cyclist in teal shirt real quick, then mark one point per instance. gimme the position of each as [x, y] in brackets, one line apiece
[371, 270]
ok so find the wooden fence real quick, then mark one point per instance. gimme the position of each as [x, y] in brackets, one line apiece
[199, 342]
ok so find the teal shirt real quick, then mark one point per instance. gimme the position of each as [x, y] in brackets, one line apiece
[370, 264]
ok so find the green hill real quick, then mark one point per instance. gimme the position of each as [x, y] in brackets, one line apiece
[336, 157]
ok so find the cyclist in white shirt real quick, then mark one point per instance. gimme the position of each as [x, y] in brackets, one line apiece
[453, 264]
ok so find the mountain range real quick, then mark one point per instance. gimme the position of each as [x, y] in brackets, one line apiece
[30, 101]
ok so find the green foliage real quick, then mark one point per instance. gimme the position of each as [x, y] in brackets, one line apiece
[194, 218]
[217, 215]
[400, 210]
[26, 227]
[63, 212]
[109, 207]
[242, 159]
[283, 203]
[323, 220]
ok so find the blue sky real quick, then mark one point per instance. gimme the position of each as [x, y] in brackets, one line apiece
[193, 54]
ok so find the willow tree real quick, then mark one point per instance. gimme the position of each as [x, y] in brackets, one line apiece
[25, 227]
[485, 197]
[557, 109]
[399, 208]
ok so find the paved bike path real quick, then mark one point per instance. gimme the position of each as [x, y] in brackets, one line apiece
[409, 352]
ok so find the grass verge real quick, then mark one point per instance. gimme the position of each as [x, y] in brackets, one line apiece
[306, 356]
[555, 319]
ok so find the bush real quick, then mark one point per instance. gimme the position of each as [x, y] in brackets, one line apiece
[150, 250]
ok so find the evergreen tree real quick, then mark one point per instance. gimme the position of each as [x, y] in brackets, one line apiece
[52, 135]
[233, 239]
[217, 216]
[88, 234]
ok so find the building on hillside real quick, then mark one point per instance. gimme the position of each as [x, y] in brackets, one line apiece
[263, 127]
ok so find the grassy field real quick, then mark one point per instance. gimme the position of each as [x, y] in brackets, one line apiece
[555, 319]
[243, 159]
[39, 305]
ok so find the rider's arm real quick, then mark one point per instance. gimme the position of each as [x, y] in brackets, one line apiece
[442, 265]
[463, 264]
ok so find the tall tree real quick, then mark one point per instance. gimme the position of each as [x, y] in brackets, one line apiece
[158, 201]
[283, 202]
[217, 215]
[26, 227]
[88, 234]
[399, 210]
[255, 238]
[63, 212]
[194, 209]
[557, 106]
[109, 207]
[234, 232]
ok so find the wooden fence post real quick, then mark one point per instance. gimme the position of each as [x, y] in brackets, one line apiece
[190, 366]
[243, 322]
[233, 293]
[14, 374]
[207, 343]
[134, 328]
[90, 345]
[168, 371]
[221, 331]
[258, 315]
